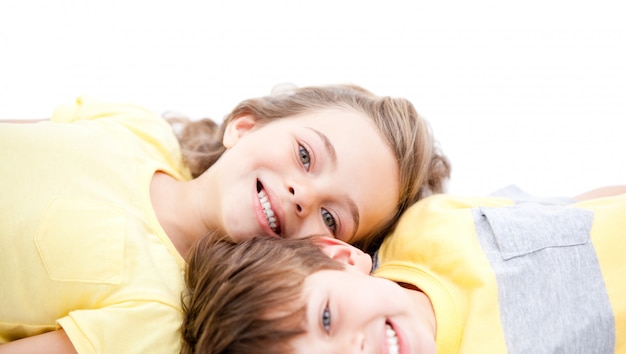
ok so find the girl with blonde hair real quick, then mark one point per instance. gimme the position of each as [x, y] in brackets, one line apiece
[101, 204]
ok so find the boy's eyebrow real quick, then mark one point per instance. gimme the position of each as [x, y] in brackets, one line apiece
[330, 150]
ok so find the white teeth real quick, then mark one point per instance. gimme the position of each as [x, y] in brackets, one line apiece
[392, 340]
[267, 210]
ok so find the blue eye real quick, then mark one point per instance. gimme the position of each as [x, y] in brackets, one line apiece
[305, 156]
[329, 221]
[326, 319]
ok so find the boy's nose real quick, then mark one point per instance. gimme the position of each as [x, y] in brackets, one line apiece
[355, 344]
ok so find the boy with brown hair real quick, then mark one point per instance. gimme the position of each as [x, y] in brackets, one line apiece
[466, 275]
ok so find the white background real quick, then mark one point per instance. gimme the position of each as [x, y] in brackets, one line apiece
[528, 92]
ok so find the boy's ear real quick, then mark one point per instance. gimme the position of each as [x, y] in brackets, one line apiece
[237, 128]
[346, 253]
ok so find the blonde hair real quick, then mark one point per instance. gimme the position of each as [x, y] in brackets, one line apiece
[247, 297]
[423, 167]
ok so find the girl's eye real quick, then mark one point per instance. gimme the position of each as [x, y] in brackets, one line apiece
[329, 221]
[305, 156]
[326, 319]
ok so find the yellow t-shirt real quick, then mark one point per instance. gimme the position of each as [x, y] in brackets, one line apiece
[518, 277]
[80, 244]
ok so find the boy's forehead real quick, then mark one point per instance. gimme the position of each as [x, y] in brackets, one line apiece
[322, 282]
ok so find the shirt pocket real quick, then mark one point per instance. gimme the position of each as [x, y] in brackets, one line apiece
[82, 241]
[526, 228]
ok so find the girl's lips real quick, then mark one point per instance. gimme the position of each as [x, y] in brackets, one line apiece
[264, 196]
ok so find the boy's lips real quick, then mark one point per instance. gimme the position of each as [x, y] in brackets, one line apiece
[394, 342]
[267, 211]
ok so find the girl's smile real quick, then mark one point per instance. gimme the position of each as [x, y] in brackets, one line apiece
[268, 216]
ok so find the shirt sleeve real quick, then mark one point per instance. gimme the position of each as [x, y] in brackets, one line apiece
[89, 108]
[150, 128]
[131, 327]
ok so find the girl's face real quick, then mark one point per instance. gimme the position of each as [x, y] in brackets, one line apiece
[320, 173]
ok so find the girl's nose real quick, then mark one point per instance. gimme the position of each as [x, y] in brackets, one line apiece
[303, 197]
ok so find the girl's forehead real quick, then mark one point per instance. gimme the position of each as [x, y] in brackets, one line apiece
[345, 123]
[339, 115]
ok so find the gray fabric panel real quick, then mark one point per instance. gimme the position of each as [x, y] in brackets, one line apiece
[551, 293]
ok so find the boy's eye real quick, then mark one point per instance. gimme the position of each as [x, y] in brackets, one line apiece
[305, 156]
[326, 319]
[329, 221]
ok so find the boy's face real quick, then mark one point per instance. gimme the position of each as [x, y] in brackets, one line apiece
[352, 312]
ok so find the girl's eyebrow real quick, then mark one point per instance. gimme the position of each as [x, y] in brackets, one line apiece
[330, 150]
[354, 211]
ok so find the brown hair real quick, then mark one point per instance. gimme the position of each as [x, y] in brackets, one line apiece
[247, 297]
[423, 167]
